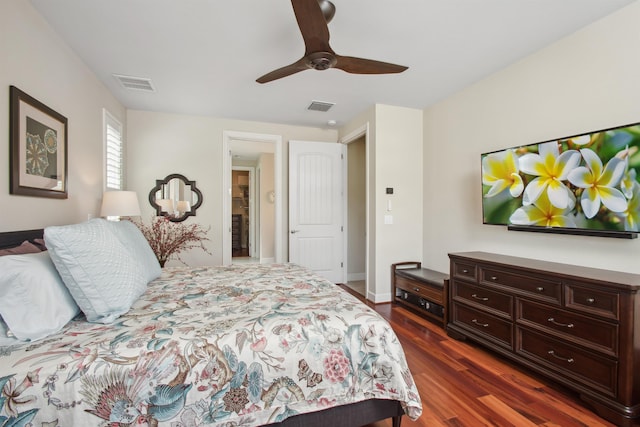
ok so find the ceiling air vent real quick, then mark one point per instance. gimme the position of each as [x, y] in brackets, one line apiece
[135, 83]
[320, 106]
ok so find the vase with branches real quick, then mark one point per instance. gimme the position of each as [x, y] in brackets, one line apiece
[169, 239]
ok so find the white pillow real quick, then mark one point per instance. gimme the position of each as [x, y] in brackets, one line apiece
[6, 337]
[98, 270]
[138, 246]
[34, 302]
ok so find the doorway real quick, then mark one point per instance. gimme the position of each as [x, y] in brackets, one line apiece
[243, 215]
[357, 245]
[356, 216]
[261, 155]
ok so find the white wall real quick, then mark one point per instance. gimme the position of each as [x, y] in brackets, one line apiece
[161, 143]
[34, 59]
[586, 82]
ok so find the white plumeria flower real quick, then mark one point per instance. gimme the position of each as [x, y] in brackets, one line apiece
[500, 171]
[628, 183]
[581, 140]
[631, 215]
[542, 213]
[599, 183]
[629, 180]
[551, 168]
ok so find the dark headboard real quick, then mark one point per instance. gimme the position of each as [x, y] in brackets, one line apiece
[15, 238]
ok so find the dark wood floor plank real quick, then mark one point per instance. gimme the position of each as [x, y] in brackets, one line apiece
[464, 385]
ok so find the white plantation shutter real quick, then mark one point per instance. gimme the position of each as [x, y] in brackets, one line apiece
[114, 148]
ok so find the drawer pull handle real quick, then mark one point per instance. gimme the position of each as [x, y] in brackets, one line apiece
[539, 289]
[494, 278]
[591, 300]
[484, 325]
[416, 289]
[465, 271]
[567, 325]
[479, 298]
[565, 359]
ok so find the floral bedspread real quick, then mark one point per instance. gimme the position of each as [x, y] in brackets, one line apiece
[242, 345]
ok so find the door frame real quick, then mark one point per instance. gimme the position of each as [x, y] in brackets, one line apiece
[229, 136]
[347, 139]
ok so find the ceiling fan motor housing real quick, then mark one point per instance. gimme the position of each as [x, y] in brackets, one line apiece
[321, 60]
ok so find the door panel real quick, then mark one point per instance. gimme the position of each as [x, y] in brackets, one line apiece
[315, 207]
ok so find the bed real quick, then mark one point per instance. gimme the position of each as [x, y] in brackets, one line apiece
[240, 345]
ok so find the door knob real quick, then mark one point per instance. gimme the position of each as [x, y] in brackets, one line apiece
[294, 231]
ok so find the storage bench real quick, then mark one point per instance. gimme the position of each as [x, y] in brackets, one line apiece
[420, 289]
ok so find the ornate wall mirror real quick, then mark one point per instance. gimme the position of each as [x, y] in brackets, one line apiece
[175, 197]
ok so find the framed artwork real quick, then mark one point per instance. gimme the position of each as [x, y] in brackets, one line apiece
[38, 148]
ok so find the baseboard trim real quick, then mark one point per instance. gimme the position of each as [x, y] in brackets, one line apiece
[353, 277]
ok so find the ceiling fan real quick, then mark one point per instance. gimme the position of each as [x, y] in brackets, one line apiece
[312, 17]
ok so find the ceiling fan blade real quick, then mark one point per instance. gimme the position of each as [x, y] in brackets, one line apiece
[366, 66]
[313, 25]
[285, 71]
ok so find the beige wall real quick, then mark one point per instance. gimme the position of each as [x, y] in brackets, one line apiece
[398, 165]
[395, 160]
[160, 144]
[586, 82]
[267, 208]
[34, 59]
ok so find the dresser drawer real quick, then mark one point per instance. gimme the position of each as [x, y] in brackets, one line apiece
[481, 296]
[420, 289]
[536, 287]
[593, 301]
[568, 361]
[596, 334]
[464, 270]
[492, 328]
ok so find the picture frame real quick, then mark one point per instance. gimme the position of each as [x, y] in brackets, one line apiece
[38, 148]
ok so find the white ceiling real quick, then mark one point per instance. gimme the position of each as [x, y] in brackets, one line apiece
[203, 56]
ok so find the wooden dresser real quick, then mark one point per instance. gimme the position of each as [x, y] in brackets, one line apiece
[573, 324]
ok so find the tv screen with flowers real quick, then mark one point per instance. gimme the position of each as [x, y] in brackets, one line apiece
[585, 183]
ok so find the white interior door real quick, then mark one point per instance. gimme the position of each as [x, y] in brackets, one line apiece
[315, 207]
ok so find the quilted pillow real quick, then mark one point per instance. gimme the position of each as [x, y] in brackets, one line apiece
[6, 336]
[25, 247]
[34, 302]
[138, 246]
[96, 267]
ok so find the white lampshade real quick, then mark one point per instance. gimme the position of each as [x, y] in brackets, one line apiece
[166, 205]
[120, 203]
[183, 206]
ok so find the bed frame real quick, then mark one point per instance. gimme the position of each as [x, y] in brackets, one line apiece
[15, 238]
[352, 415]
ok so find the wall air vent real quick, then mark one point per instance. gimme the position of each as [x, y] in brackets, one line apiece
[135, 83]
[320, 106]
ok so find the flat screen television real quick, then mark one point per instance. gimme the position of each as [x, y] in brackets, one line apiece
[581, 184]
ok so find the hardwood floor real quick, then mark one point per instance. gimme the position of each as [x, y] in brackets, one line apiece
[465, 385]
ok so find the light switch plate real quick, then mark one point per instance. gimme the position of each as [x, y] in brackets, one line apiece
[388, 219]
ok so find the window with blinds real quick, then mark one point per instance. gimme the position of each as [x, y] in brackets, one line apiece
[114, 147]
